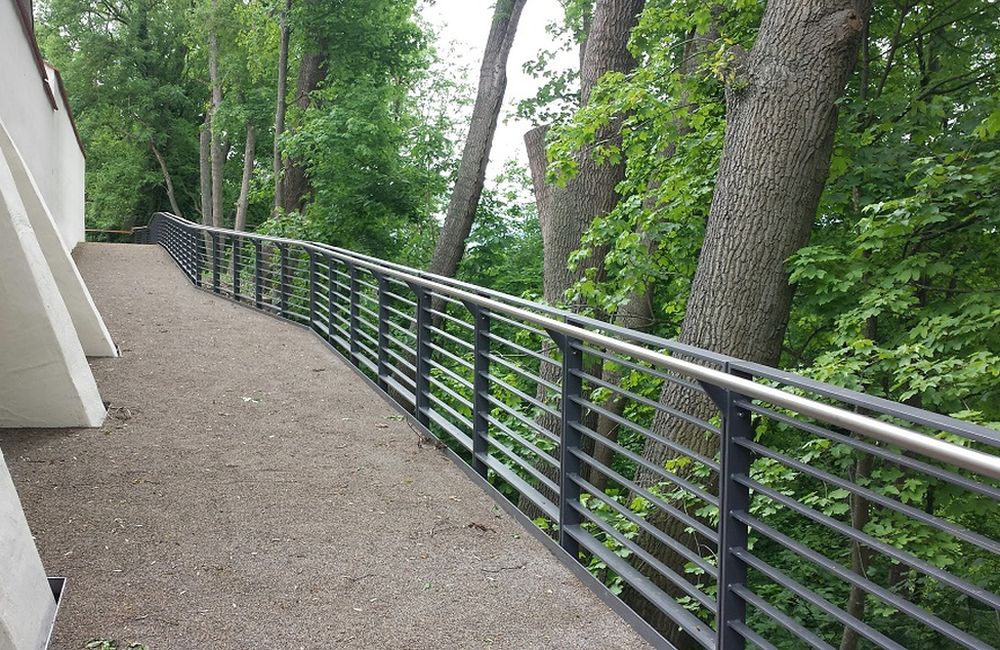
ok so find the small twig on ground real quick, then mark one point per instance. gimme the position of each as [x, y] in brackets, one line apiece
[504, 568]
[358, 578]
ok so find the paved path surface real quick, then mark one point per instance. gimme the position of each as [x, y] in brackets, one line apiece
[250, 491]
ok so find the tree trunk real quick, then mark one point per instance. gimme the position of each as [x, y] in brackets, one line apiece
[565, 213]
[280, 105]
[781, 111]
[591, 192]
[248, 158]
[217, 157]
[476, 155]
[166, 179]
[205, 169]
[860, 555]
[534, 143]
[637, 313]
[295, 184]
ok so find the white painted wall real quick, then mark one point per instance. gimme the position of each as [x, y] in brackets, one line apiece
[44, 135]
[45, 380]
[26, 602]
[70, 168]
[90, 328]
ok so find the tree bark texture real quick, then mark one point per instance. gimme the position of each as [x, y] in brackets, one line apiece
[591, 192]
[217, 155]
[781, 115]
[295, 184]
[476, 155]
[248, 158]
[565, 213]
[205, 169]
[166, 179]
[637, 313]
[280, 105]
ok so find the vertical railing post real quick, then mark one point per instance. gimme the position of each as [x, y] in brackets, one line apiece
[733, 497]
[282, 280]
[480, 388]
[199, 257]
[383, 330]
[331, 294]
[569, 442]
[258, 274]
[216, 271]
[237, 249]
[353, 324]
[421, 391]
[313, 285]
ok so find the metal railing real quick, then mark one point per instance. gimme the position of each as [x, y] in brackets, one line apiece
[137, 235]
[744, 505]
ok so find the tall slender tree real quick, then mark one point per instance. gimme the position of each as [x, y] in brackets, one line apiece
[294, 182]
[281, 104]
[476, 155]
[218, 158]
[240, 222]
[167, 179]
[205, 168]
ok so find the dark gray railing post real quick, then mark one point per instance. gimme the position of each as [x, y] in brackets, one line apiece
[313, 285]
[569, 442]
[199, 256]
[330, 298]
[733, 497]
[383, 330]
[480, 388]
[258, 274]
[237, 249]
[216, 271]
[354, 315]
[282, 280]
[421, 391]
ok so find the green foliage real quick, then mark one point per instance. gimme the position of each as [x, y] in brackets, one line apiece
[504, 249]
[108, 644]
[125, 67]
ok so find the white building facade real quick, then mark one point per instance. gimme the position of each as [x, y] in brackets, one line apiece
[49, 324]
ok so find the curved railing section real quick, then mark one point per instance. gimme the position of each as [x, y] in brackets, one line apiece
[744, 505]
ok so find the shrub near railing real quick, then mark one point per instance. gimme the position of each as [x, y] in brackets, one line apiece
[793, 512]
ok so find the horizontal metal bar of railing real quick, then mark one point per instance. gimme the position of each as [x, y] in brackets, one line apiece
[578, 422]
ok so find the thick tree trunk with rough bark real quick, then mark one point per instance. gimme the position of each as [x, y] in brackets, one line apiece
[248, 158]
[472, 169]
[295, 184]
[166, 179]
[591, 192]
[280, 105]
[781, 115]
[217, 156]
[205, 169]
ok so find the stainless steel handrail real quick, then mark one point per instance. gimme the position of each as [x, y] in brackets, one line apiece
[941, 450]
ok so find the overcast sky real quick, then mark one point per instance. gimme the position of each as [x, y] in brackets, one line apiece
[466, 23]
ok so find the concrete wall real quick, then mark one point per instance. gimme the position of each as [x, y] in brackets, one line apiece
[45, 380]
[40, 123]
[90, 328]
[47, 317]
[26, 602]
[70, 169]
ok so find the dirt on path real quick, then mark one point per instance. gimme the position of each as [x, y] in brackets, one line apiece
[249, 490]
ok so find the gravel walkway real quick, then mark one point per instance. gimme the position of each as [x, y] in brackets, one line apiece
[250, 491]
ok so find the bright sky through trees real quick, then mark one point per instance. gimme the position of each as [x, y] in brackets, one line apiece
[465, 24]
